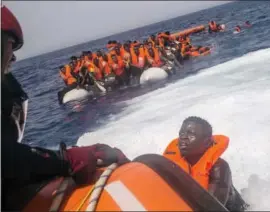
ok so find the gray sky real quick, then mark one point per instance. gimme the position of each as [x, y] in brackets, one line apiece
[52, 25]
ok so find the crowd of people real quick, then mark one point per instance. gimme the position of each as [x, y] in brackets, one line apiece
[125, 62]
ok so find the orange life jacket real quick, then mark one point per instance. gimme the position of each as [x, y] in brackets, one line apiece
[105, 68]
[77, 67]
[138, 61]
[112, 52]
[67, 77]
[156, 62]
[200, 171]
[122, 51]
[118, 68]
[194, 53]
[95, 70]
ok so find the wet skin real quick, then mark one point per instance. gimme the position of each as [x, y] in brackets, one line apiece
[192, 141]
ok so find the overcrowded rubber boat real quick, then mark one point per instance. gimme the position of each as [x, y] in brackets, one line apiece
[127, 64]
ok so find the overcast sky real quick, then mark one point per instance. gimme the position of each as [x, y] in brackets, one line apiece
[52, 25]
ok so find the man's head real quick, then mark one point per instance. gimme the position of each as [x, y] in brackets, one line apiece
[73, 60]
[151, 52]
[114, 58]
[153, 37]
[90, 55]
[195, 136]
[62, 68]
[127, 47]
[136, 50]
[105, 57]
[117, 50]
[150, 45]
[99, 53]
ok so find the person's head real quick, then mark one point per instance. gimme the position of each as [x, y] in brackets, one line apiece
[73, 60]
[187, 48]
[150, 45]
[62, 68]
[152, 37]
[114, 58]
[195, 136]
[96, 62]
[14, 99]
[72, 64]
[105, 57]
[151, 52]
[247, 23]
[127, 47]
[117, 50]
[136, 50]
[99, 53]
[90, 54]
[167, 33]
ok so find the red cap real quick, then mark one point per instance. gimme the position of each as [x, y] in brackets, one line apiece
[10, 24]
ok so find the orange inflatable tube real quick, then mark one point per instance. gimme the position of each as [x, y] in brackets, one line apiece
[189, 31]
[148, 183]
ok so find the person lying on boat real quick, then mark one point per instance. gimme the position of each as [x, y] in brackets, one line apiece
[23, 166]
[199, 152]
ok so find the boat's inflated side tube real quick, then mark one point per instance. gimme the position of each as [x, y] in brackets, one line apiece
[72, 95]
[153, 75]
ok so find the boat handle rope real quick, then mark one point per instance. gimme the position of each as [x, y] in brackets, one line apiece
[96, 191]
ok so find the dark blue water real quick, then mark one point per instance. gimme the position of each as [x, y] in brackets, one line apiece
[48, 123]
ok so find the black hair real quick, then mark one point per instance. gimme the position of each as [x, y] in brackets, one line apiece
[60, 67]
[73, 58]
[205, 124]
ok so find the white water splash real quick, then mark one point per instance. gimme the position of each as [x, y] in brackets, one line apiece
[234, 97]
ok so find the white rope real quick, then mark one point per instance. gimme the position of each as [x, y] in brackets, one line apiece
[99, 186]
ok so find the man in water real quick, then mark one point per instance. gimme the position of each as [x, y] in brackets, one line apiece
[198, 152]
[22, 165]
